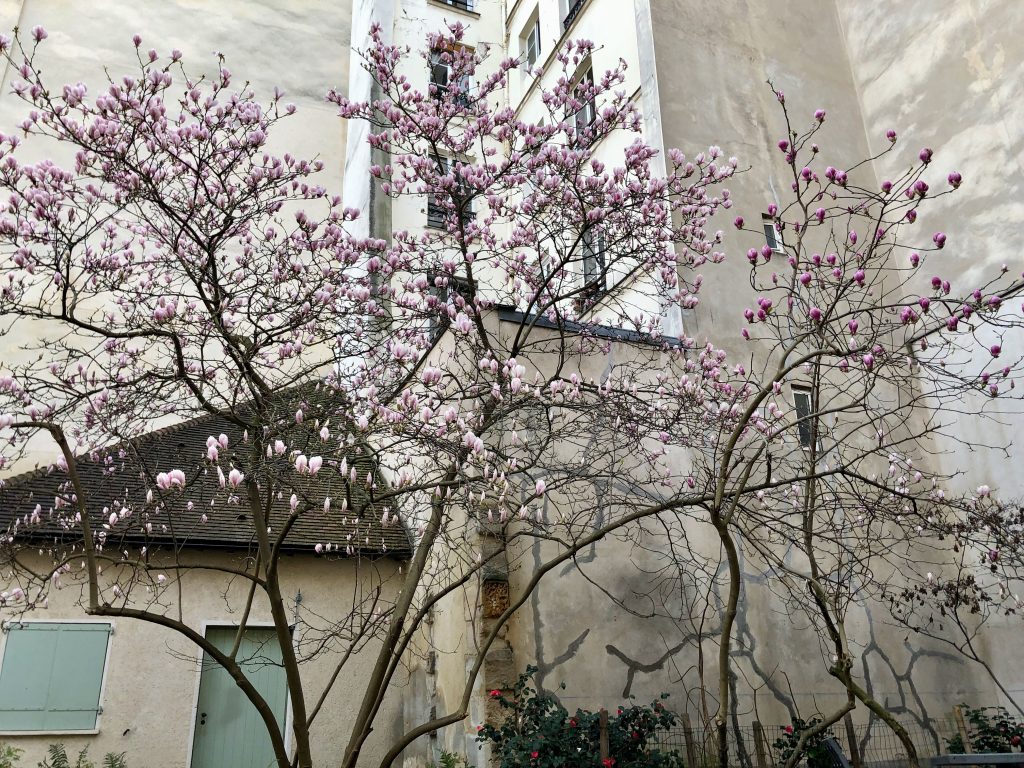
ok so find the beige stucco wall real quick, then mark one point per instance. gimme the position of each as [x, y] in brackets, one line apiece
[710, 72]
[152, 673]
[947, 74]
[952, 84]
[301, 47]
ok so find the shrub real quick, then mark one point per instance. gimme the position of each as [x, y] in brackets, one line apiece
[993, 729]
[9, 756]
[450, 760]
[814, 748]
[538, 732]
[57, 757]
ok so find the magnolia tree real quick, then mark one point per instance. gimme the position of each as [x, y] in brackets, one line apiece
[487, 373]
[837, 501]
[175, 269]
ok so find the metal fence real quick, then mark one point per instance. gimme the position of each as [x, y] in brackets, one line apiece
[871, 745]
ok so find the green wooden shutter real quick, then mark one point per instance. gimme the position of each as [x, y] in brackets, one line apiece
[51, 676]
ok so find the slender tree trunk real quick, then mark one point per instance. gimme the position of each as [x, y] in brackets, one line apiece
[362, 726]
[282, 627]
[846, 678]
[725, 644]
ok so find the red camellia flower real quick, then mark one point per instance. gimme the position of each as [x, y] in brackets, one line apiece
[534, 755]
[608, 762]
[495, 693]
[788, 729]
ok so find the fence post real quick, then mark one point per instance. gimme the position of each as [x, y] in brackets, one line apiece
[961, 726]
[604, 734]
[851, 738]
[759, 742]
[691, 749]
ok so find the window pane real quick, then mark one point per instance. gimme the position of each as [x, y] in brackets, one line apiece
[802, 400]
[771, 236]
[533, 44]
[587, 112]
[438, 72]
[593, 258]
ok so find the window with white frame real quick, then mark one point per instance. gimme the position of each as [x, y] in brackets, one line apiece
[587, 112]
[51, 676]
[570, 10]
[529, 41]
[443, 79]
[462, 5]
[771, 235]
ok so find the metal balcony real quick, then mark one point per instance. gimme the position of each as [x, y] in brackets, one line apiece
[574, 11]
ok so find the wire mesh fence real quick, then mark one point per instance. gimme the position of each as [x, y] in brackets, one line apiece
[871, 745]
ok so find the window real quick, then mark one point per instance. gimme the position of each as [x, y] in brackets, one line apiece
[771, 235]
[586, 114]
[594, 260]
[571, 9]
[804, 408]
[445, 290]
[437, 210]
[529, 41]
[444, 80]
[51, 676]
[464, 5]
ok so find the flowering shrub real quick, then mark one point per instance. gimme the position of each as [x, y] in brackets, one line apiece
[814, 748]
[993, 729]
[538, 732]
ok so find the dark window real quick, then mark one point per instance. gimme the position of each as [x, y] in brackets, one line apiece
[443, 80]
[451, 289]
[586, 114]
[802, 401]
[437, 210]
[531, 42]
[771, 235]
[465, 5]
[594, 260]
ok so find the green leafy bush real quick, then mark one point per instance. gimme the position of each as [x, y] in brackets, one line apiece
[450, 760]
[538, 732]
[9, 756]
[993, 729]
[814, 748]
[57, 757]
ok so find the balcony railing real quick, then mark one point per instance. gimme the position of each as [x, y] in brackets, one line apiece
[574, 11]
[464, 5]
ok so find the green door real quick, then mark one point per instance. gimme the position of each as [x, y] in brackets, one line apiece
[229, 732]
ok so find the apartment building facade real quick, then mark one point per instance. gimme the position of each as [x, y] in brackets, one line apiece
[698, 74]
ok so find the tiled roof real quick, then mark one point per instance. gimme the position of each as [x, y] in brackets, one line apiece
[118, 480]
